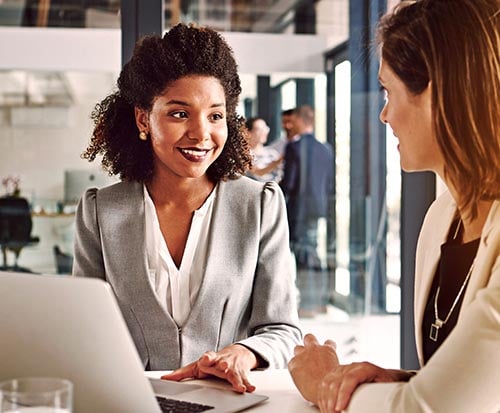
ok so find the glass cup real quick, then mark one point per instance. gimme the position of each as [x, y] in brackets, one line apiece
[36, 395]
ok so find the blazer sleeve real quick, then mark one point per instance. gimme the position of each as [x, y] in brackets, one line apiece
[464, 373]
[88, 258]
[273, 325]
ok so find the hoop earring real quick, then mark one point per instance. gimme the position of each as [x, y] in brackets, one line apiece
[143, 136]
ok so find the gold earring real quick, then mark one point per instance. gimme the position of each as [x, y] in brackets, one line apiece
[143, 136]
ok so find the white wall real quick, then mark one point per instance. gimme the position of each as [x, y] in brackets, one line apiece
[39, 155]
[99, 50]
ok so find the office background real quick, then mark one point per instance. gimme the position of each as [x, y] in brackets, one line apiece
[60, 57]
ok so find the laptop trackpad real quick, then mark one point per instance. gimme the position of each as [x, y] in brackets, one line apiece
[171, 388]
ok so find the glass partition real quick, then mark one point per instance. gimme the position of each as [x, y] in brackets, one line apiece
[66, 13]
[263, 16]
[364, 286]
[258, 16]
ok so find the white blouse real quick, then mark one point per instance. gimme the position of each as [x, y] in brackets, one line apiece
[177, 288]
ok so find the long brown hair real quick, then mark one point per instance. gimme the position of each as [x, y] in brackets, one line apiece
[455, 45]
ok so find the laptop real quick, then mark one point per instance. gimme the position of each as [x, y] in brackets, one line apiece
[72, 328]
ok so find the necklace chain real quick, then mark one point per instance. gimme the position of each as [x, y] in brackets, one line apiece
[438, 323]
[456, 229]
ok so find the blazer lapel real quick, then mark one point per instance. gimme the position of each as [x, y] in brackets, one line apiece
[431, 249]
[484, 258]
[122, 229]
[212, 284]
[215, 286]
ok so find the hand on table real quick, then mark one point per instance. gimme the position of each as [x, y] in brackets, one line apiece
[311, 363]
[232, 363]
[337, 387]
[323, 381]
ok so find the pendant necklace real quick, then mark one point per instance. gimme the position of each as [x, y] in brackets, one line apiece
[438, 323]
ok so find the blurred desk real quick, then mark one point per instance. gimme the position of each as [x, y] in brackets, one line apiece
[276, 384]
[52, 228]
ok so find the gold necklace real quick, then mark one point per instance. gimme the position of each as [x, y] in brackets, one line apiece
[438, 323]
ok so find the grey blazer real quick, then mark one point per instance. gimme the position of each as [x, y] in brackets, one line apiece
[247, 293]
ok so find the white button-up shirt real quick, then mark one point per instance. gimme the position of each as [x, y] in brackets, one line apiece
[177, 288]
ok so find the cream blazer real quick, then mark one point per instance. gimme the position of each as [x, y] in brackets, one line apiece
[464, 373]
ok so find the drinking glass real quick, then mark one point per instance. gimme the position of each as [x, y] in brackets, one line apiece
[36, 395]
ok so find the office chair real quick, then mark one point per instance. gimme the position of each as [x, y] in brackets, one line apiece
[15, 229]
[64, 262]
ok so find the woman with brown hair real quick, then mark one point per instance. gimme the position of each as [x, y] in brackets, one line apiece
[196, 254]
[440, 69]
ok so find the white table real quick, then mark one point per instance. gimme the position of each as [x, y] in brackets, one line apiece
[276, 384]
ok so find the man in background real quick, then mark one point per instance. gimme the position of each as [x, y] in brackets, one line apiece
[287, 124]
[307, 184]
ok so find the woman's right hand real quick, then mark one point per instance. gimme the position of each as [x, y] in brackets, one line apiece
[233, 363]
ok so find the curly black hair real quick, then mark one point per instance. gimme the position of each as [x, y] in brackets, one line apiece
[184, 50]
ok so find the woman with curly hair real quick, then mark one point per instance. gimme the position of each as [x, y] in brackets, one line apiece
[196, 254]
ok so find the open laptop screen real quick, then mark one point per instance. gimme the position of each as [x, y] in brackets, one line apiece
[72, 328]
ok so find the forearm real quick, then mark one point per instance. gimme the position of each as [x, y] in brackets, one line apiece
[273, 345]
[266, 169]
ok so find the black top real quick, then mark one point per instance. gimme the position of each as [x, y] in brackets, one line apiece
[453, 267]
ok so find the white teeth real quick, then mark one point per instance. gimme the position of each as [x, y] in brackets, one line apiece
[195, 152]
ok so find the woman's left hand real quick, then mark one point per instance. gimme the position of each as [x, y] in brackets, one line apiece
[232, 363]
[337, 387]
[322, 380]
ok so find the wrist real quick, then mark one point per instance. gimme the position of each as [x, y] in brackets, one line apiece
[254, 359]
[410, 374]
[403, 375]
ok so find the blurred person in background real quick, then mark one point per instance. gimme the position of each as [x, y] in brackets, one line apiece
[287, 124]
[266, 160]
[307, 184]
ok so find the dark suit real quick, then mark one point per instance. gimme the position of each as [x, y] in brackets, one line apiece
[308, 184]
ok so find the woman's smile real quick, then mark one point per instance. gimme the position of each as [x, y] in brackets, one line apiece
[194, 154]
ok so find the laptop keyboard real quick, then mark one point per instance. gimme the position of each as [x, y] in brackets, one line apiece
[179, 406]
